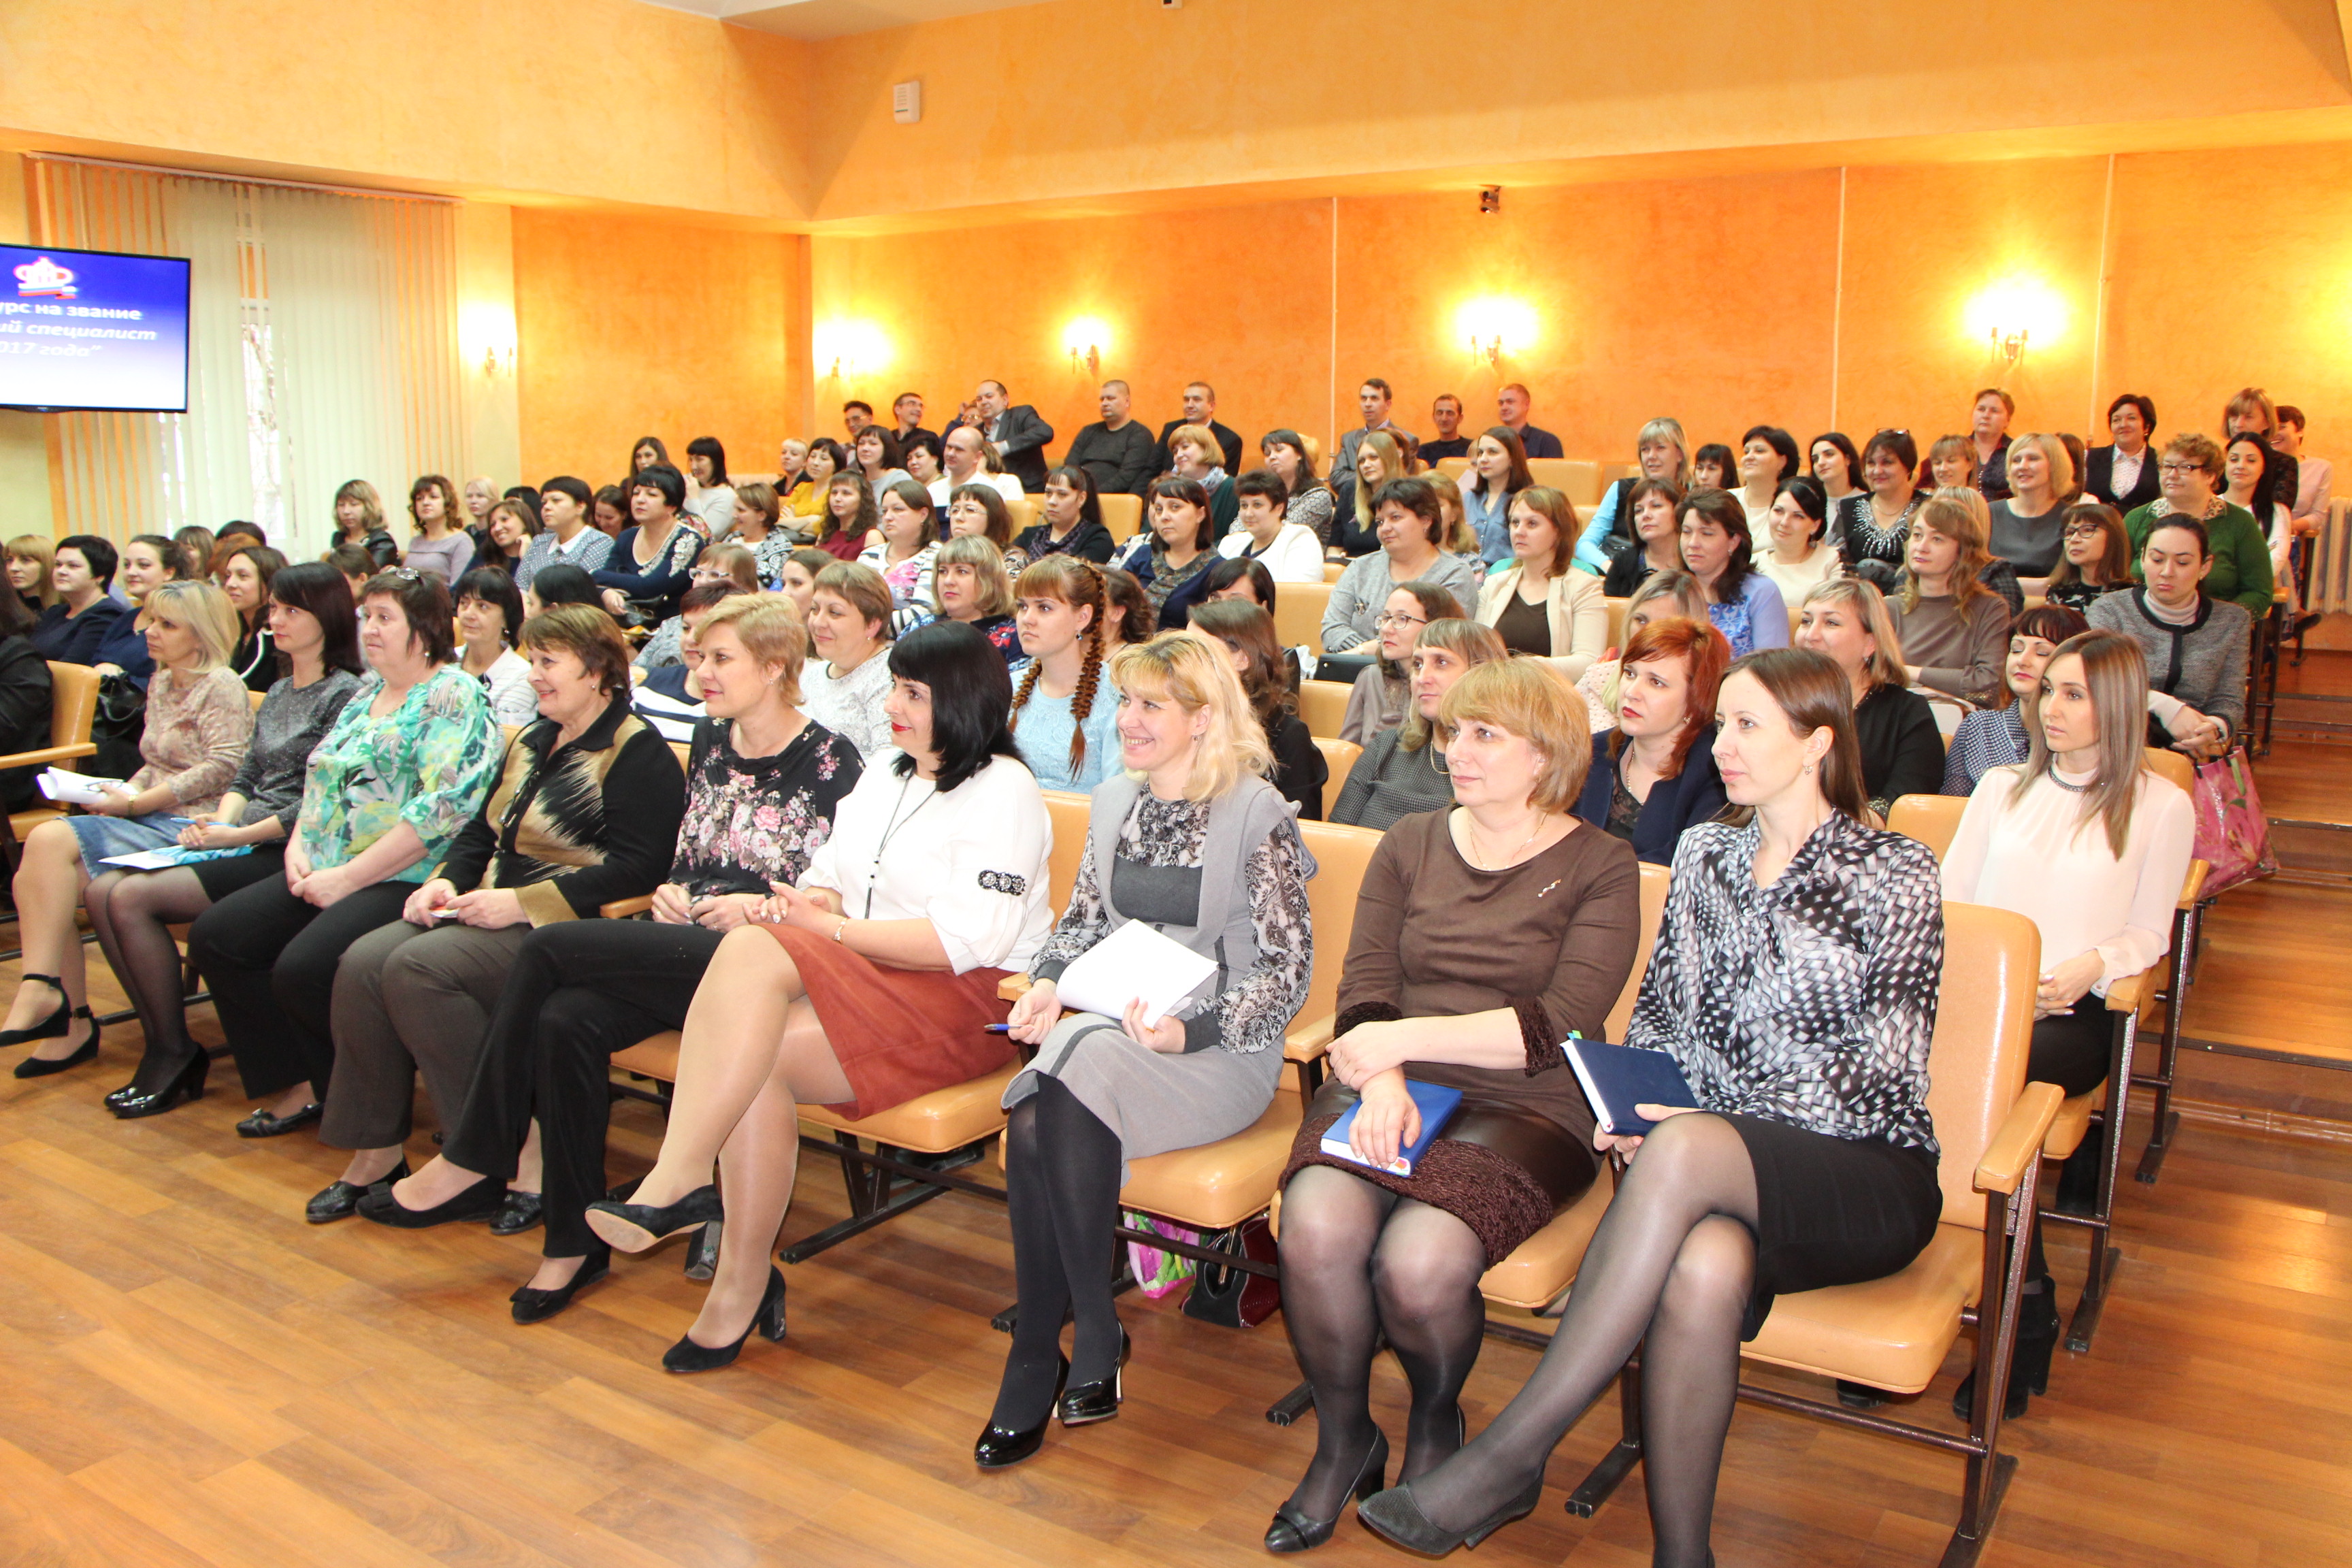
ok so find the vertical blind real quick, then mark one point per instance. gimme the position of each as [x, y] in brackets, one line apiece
[322, 347]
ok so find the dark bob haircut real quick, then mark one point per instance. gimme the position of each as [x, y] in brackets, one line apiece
[1417, 495]
[1895, 444]
[98, 553]
[1811, 501]
[2146, 407]
[1238, 569]
[491, 586]
[662, 478]
[564, 583]
[971, 698]
[423, 601]
[708, 446]
[1265, 484]
[1189, 492]
[565, 485]
[318, 589]
[1792, 462]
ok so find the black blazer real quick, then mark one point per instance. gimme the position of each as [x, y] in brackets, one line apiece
[1902, 750]
[24, 716]
[1230, 441]
[1024, 434]
[1692, 796]
[2098, 479]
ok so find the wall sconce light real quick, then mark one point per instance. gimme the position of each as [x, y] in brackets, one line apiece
[2010, 315]
[1496, 327]
[486, 337]
[1085, 338]
[850, 348]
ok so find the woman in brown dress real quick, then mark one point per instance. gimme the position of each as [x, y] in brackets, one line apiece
[1484, 935]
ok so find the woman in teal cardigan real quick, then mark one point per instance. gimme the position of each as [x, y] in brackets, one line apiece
[2189, 473]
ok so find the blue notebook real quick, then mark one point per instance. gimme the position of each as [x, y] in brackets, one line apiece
[1437, 1105]
[1616, 1079]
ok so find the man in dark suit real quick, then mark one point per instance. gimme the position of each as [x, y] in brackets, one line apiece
[1513, 404]
[1017, 431]
[1200, 408]
[2124, 475]
[1115, 451]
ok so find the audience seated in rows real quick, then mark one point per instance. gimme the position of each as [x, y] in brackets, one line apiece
[1015, 430]
[1653, 773]
[2095, 556]
[709, 494]
[584, 810]
[1796, 552]
[1952, 628]
[725, 562]
[1311, 505]
[568, 535]
[1172, 554]
[489, 626]
[1656, 544]
[1200, 404]
[2123, 475]
[1496, 476]
[439, 543]
[199, 724]
[32, 571]
[1767, 455]
[243, 571]
[74, 625]
[358, 520]
[1116, 451]
[2190, 473]
[679, 682]
[759, 527]
[651, 564]
[850, 520]
[2023, 529]
[1847, 621]
[1190, 836]
[905, 549]
[1374, 398]
[1661, 455]
[968, 584]
[1356, 484]
[1663, 594]
[1403, 770]
[1445, 415]
[2195, 645]
[875, 457]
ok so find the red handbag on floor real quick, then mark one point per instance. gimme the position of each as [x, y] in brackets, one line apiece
[1236, 1297]
[2234, 837]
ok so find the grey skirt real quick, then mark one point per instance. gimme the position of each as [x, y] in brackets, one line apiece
[1153, 1100]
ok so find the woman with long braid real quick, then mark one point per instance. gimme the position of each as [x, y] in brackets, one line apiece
[1067, 733]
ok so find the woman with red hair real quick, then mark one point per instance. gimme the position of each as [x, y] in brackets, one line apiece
[1653, 774]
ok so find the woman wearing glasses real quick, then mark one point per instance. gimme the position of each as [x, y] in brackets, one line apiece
[2190, 475]
[1379, 700]
[2094, 557]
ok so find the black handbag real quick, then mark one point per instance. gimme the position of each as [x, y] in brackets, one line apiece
[117, 726]
[1236, 1297]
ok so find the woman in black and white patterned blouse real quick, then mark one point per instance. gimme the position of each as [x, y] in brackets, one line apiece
[1795, 983]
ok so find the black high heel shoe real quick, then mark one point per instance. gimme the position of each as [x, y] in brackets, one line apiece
[2028, 1367]
[38, 1067]
[49, 1028]
[1098, 1400]
[1001, 1445]
[1293, 1531]
[131, 1102]
[1394, 1517]
[687, 1356]
[536, 1306]
[634, 1227]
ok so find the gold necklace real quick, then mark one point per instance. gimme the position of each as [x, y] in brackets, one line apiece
[1478, 855]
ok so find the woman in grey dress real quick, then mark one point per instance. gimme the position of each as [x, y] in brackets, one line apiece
[1191, 840]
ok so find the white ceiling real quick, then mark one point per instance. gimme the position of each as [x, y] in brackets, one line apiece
[832, 18]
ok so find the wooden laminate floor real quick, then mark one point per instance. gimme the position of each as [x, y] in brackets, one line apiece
[193, 1375]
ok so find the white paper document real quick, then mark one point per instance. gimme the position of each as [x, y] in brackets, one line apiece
[1135, 960]
[75, 789]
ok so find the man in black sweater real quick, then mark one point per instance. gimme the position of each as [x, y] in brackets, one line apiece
[1446, 414]
[1200, 408]
[1115, 451]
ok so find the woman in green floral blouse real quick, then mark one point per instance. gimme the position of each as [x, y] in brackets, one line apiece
[406, 766]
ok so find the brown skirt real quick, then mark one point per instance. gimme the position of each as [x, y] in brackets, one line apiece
[898, 1032]
[1506, 1175]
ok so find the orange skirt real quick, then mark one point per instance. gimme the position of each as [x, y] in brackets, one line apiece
[898, 1032]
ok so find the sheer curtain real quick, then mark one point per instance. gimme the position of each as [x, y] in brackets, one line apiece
[322, 347]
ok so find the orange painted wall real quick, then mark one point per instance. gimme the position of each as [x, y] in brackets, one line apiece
[626, 328]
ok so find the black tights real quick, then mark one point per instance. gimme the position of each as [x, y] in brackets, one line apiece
[1061, 1185]
[1673, 1265]
[130, 911]
[1357, 1259]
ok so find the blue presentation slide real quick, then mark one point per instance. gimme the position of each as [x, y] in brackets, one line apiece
[90, 329]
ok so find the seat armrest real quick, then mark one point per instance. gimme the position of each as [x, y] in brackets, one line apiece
[1309, 1041]
[1013, 987]
[2126, 995]
[622, 908]
[2193, 886]
[2018, 1143]
[50, 754]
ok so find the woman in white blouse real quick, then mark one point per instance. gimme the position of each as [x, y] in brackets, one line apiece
[489, 624]
[843, 685]
[1797, 555]
[2088, 843]
[1264, 531]
[871, 983]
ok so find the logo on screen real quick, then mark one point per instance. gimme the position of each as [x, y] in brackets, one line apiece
[44, 279]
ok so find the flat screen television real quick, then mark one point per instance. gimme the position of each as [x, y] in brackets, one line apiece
[92, 329]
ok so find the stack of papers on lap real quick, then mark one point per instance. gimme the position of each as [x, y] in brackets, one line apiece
[74, 789]
[162, 859]
[1134, 961]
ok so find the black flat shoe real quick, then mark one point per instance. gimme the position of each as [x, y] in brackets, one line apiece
[261, 1124]
[517, 1211]
[1293, 1531]
[634, 1227]
[49, 1028]
[1001, 1447]
[1098, 1400]
[536, 1306]
[477, 1202]
[1394, 1517]
[340, 1200]
[186, 1082]
[37, 1066]
[687, 1356]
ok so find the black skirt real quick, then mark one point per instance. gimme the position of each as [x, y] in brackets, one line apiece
[1833, 1211]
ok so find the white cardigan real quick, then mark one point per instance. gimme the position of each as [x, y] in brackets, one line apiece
[1574, 605]
[1295, 556]
[972, 861]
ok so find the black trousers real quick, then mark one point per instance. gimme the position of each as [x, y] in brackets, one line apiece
[2071, 1049]
[578, 993]
[269, 960]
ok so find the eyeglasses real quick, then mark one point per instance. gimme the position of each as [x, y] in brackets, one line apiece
[405, 574]
[2081, 531]
[2178, 469]
[1390, 618]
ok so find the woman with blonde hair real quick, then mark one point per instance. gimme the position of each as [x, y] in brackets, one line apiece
[1379, 459]
[1664, 453]
[1953, 629]
[1402, 770]
[2024, 528]
[1848, 622]
[1538, 604]
[31, 558]
[1484, 935]
[969, 585]
[358, 520]
[1191, 837]
[199, 723]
